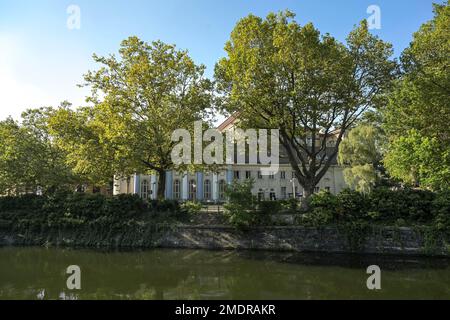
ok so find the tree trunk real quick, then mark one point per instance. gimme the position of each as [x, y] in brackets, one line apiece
[161, 185]
[308, 192]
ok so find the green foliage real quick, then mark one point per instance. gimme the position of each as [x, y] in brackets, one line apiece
[192, 207]
[29, 158]
[419, 160]
[352, 205]
[269, 207]
[382, 204]
[418, 112]
[356, 232]
[323, 207]
[64, 210]
[441, 211]
[361, 151]
[140, 98]
[290, 205]
[241, 206]
[278, 74]
[164, 205]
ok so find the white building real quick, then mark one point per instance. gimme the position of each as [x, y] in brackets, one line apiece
[210, 186]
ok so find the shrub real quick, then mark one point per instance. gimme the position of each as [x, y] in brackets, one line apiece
[408, 204]
[241, 209]
[291, 205]
[191, 207]
[351, 205]
[317, 217]
[322, 209]
[441, 211]
[23, 202]
[269, 207]
[165, 205]
[323, 200]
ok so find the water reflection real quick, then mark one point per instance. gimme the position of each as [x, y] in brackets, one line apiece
[38, 273]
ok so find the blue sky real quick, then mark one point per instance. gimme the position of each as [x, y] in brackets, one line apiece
[42, 61]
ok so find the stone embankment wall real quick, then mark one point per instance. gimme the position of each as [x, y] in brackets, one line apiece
[382, 240]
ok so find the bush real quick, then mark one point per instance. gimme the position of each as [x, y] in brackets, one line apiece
[191, 207]
[23, 202]
[269, 207]
[323, 200]
[165, 205]
[348, 205]
[317, 217]
[290, 205]
[408, 204]
[352, 205]
[441, 211]
[241, 208]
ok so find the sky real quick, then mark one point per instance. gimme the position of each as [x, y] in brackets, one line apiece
[44, 52]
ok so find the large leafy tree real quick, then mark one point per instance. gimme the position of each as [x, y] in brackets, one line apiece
[139, 99]
[279, 74]
[361, 152]
[418, 115]
[30, 158]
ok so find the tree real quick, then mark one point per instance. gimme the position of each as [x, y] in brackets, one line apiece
[419, 160]
[361, 152]
[139, 100]
[278, 74]
[418, 113]
[29, 158]
[80, 136]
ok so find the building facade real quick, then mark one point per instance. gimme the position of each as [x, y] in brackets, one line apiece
[210, 186]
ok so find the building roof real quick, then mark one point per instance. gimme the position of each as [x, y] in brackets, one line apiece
[228, 122]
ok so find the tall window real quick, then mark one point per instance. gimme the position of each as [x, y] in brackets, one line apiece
[283, 193]
[192, 190]
[236, 175]
[261, 194]
[248, 174]
[144, 189]
[272, 195]
[259, 175]
[271, 175]
[222, 188]
[282, 174]
[207, 189]
[176, 189]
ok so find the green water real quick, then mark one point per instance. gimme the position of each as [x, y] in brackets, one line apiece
[39, 273]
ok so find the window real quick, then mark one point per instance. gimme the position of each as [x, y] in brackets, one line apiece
[192, 190]
[282, 174]
[283, 192]
[176, 189]
[260, 194]
[222, 188]
[236, 175]
[272, 195]
[144, 189]
[259, 175]
[271, 175]
[207, 189]
[328, 189]
[248, 174]
[316, 189]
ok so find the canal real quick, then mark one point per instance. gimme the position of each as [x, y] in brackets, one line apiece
[40, 273]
